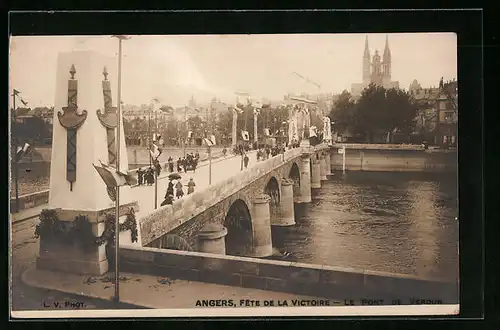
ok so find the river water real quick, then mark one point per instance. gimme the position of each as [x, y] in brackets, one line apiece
[384, 221]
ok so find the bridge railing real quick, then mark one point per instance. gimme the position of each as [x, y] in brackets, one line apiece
[168, 217]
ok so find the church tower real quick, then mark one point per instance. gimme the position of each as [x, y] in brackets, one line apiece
[377, 69]
[386, 62]
[366, 64]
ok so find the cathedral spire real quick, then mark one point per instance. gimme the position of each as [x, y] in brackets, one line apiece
[367, 49]
[366, 63]
[387, 51]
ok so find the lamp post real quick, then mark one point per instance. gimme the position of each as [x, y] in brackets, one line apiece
[149, 131]
[16, 170]
[118, 128]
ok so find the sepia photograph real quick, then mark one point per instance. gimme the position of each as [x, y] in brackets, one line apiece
[233, 175]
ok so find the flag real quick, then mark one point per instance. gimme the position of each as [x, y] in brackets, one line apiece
[210, 141]
[256, 111]
[114, 178]
[238, 107]
[24, 150]
[245, 135]
[312, 131]
[155, 151]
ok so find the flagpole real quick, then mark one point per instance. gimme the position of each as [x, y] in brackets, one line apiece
[210, 130]
[149, 132]
[117, 202]
[156, 184]
[16, 170]
[187, 127]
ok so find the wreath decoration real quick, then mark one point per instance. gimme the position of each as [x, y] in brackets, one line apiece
[79, 231]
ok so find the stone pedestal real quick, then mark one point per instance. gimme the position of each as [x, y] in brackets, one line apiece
[316, 173]
[305, 143]
[211, 239]
[305, 179]
[323, 167]
[261, 224]
[328, 159]
[70, 256]
[287, 215]
[87, 193]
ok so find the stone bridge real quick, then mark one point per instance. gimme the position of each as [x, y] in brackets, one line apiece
[246, 205]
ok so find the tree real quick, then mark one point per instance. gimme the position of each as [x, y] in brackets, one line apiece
[343, 112]
[170, 133]
[224, 125]
[399, 113]
[370, 112]
[195, 125]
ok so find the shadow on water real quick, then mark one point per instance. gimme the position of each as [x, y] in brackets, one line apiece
[393, 222]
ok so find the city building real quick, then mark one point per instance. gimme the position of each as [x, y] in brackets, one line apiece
[437, 119]
[376, 70]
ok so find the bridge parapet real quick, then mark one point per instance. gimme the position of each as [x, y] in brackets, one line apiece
[166, 218]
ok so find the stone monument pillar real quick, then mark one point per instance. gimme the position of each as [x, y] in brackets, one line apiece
[211, 239]
[323, 167]
[79, 140]
[234, 129]
[255, 137]
[328, 160]
[262, 241]
[286, 216]
[305, 179]
[315, 172]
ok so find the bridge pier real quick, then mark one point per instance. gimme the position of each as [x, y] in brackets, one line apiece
[287, 215]
[305, 180]
[261, 224]
[323, 167]
[211, 239]
[316, 173]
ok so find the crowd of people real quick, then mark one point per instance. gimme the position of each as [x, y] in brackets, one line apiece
[183, 164]
[179, 190]
[146, 176]
[175, 189]
[264, 153]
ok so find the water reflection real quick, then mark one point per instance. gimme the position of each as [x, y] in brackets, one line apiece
[394, 222]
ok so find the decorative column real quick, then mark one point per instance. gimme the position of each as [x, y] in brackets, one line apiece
[261, 225]
[85, 196]
[211, 239]
[322, 167]
[71, 120]
[255, 113]
[109, 119]
[305, 179]
[328, 159]
[305, 128]
[234, 129]
[316, 172]
[287, 215]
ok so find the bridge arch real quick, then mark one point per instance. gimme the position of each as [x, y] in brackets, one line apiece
[294, 175]
[172, 242]
[272, 189]
[238, 221]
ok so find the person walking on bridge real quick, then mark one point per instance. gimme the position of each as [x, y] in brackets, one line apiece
[191, 186]
[179, 163]
[245, 160]
[179, 193]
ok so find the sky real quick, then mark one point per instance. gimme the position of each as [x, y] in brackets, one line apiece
[174, 68]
